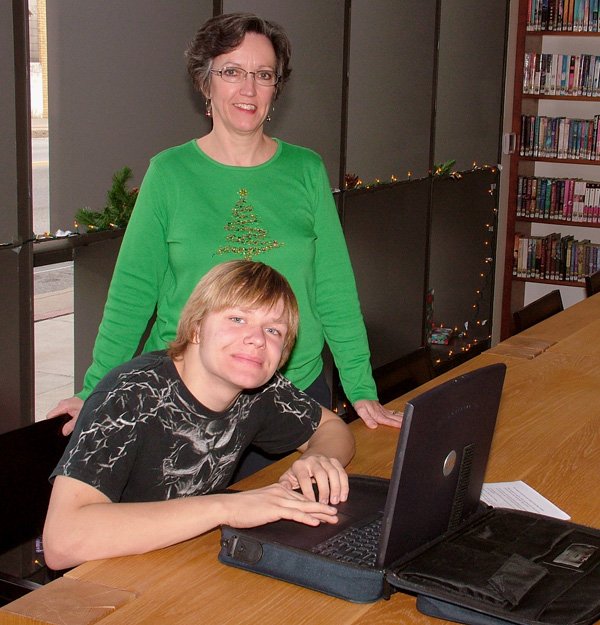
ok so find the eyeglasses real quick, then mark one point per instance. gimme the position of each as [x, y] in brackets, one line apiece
[262, 77]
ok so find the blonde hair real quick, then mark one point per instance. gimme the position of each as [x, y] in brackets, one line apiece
[233, 284]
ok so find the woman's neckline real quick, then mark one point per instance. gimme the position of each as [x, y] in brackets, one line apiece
[216, 161]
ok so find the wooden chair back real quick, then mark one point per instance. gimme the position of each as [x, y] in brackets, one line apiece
[404, 374]
[537, 311]
[592, 284]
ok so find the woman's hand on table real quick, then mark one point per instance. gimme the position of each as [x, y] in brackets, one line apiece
[374, 414]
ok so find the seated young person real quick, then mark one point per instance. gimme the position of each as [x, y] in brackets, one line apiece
[162, 434]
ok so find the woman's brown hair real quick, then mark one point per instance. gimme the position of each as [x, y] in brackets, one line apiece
[224, 33]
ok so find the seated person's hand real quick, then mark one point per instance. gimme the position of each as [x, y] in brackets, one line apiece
[273, 503]
[327, 473]
[374, 414]
[71, 406]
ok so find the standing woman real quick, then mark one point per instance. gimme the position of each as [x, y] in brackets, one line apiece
[238, 193]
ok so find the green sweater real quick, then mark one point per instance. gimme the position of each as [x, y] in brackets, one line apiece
[193, 213]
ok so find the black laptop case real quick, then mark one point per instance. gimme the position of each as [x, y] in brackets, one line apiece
[506, 566]
[464, 560]
[498, 567]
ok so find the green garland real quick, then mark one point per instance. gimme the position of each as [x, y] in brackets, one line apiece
[443, 170]
[119, 204]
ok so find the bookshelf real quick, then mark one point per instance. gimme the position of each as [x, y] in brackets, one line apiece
[553, 218]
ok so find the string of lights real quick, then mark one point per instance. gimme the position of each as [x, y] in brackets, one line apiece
[468, 334]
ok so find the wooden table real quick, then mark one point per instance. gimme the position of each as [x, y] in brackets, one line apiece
[548, 434]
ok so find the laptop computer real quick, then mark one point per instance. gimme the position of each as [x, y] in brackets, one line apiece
[436, 482]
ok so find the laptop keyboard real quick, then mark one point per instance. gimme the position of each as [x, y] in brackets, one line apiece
[355, 545]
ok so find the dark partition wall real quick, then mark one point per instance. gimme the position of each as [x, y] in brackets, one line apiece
[137, 99]
[94, 265]
[10, 393]
[470, 82]
[463, 217]
[309, 110]
[8, 138]
[16, 338]
[16, 259]
[386, 231]
[391, 85]
[118, 93]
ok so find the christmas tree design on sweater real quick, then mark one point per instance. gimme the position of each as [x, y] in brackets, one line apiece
[246, 238]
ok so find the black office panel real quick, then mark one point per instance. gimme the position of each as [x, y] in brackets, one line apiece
[118, 93]
[93, 268]
[462, 247]
[386, 233]
[308, 111]
[16, 337]
[16, 283]
[8, 139]
[15, 132]
[391, 86]
[470, 82]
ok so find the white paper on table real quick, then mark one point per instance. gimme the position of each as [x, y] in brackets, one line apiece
[519, 496]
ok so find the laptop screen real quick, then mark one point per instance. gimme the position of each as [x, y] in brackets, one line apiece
[440, 460]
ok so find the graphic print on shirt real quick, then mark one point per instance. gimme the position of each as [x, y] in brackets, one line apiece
[246, 238]
[201, 450]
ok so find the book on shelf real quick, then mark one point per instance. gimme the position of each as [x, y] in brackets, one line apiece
[563, 15]
[565, 199]
[554, 257]
[561, 74]
[542, 136]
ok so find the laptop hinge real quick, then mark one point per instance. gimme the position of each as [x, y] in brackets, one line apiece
[388, 589]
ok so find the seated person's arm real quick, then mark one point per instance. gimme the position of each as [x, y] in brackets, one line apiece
[324, 457]
[83, 524]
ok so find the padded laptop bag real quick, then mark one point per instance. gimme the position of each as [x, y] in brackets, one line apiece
[500, 567]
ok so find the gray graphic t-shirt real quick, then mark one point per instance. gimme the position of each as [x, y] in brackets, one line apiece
[142, 436]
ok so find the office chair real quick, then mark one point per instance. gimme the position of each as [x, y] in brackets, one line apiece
[404, 374]
[592, 284]
[27, 458]
[537, 311]
[393, 379]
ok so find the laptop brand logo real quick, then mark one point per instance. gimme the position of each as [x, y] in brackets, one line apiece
[449, 463]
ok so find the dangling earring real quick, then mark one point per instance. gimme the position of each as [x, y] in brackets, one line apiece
[208, 108]
[268, 119]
